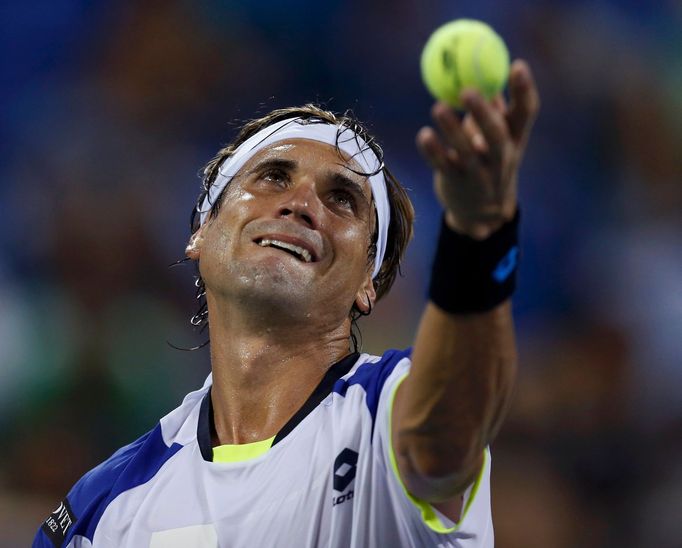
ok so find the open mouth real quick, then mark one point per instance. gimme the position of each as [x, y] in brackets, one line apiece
[300, 253]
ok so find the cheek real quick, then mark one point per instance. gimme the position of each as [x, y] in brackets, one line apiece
[214, 254]
[235, 202]
[222, 240]
[240, 196]
[235, 211]
[355, 242]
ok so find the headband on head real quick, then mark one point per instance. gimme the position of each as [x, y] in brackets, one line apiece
[315, 130]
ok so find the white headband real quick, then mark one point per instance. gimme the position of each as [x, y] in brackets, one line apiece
[297, 128]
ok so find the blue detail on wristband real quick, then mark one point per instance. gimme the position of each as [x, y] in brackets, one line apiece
[507, 265]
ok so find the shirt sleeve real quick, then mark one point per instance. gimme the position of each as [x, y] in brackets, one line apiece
[474, 527]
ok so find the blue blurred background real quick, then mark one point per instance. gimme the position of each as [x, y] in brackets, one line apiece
[109, 109]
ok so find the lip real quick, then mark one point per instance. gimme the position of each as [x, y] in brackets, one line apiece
[293, 240]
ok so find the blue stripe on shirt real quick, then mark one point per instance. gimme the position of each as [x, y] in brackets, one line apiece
[129, 467]
[372, 377]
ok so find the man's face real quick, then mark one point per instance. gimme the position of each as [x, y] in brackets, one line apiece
[292, 233]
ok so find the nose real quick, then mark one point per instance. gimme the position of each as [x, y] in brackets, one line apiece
[302, 204]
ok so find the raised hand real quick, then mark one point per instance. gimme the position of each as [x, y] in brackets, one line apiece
[476, 159]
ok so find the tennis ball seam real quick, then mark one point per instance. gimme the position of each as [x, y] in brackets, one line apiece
[455, 64]
[464, 53]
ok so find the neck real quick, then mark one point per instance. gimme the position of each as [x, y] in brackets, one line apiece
[264, 372]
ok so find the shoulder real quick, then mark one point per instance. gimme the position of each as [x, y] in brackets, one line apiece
[129, 467]
[132, 465]
[371, 373]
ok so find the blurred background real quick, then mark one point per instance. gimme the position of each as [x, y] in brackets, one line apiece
[109, 110]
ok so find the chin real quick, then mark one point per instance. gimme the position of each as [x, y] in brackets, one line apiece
[274, 289]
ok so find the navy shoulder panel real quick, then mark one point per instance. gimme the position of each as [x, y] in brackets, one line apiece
[83, 507]
[372, 377]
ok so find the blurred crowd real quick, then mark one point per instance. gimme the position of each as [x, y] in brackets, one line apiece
[111, 108]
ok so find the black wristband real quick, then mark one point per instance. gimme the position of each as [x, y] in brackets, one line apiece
[471, 275]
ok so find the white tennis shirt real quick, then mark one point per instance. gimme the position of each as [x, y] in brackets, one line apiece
[329, 479]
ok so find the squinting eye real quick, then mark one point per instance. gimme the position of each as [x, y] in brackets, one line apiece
[344, 199]
[275, 175]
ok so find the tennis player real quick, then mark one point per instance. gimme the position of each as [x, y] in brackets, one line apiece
[296, 439]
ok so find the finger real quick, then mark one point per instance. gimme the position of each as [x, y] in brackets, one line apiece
[452, 132]
[524, 101]
[500, 103]
[472, 130]
[475, 135]
[491, 121]
[438, 156]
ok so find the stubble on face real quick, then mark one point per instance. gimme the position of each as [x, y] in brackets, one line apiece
[270, 282]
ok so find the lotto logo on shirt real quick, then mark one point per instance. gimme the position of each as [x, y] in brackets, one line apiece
[345, 467]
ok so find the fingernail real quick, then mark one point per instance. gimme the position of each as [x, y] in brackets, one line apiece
[521, 76]
[478, 140]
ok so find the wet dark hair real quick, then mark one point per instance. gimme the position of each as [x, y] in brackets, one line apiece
[402, 212]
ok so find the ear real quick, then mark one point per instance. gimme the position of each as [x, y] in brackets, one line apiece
[193, 249]
[366, 295]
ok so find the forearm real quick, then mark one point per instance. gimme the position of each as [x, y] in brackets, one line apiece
[453, 401]
[464, 360]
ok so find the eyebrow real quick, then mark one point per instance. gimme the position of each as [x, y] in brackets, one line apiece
[337, 177]
[281, 163]
[349, 184]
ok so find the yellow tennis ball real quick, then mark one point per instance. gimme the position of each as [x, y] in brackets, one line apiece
[464, 53]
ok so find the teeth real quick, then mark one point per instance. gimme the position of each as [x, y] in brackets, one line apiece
[303, 253]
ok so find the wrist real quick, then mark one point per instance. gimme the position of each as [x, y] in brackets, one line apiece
[473, 274]
[479, 230]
